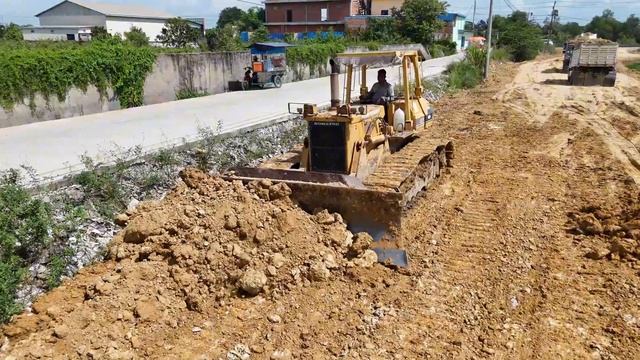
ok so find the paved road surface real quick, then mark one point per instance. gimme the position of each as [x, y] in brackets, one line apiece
[53, 148]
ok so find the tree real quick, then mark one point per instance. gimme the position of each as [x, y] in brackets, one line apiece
[178, 33]
[136, 37]
[253, 19]
[605, 25]
[224, 39]
[386, 30]
[260, 35]
[99, 33]
[230, 15]
[418, 19]
[522, 37]
[11, 32]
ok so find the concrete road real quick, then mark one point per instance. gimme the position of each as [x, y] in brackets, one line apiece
[53, 148]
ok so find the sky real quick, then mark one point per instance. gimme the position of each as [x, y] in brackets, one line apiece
[22, 11]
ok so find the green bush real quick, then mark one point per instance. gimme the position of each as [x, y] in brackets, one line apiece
[25, 226]
[11, 272]
[136, 37]
[448, 47]
[463, 75]
[635, 66]
[436, 51]
[53, 69]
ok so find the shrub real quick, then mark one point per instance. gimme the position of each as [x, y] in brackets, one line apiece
[53, 69]
[136, 37]
[464, 75]
[25, 225]
[448, 47]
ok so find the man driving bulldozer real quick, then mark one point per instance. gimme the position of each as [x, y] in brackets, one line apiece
[381, 92]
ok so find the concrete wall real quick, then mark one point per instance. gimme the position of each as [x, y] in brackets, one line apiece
[378, 5]
[208, 72]
[67, 14]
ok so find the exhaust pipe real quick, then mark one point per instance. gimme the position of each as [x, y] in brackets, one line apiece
[335, 84]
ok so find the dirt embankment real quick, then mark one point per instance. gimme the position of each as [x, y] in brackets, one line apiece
[527, 249]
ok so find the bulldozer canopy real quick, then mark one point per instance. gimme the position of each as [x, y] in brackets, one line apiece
[373, 57]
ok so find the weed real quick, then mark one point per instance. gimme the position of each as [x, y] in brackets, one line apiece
[183, 94]
[57, 266]
[11, 274]
[165, 158]
[463, 75]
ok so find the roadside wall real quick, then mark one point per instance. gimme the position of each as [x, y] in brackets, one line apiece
[208, 72]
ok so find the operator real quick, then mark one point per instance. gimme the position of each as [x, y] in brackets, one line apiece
[381, 92]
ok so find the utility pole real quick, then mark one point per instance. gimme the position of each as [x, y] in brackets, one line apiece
[486, 63]
[554, 13]
[475, 2]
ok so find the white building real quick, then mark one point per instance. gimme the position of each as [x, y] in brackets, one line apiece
[73, 20]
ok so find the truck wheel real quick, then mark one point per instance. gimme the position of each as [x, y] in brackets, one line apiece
[277, 81]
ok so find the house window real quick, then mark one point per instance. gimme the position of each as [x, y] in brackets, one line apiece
[384, 12]
[71, 37]
[324, 14]
[289, 15]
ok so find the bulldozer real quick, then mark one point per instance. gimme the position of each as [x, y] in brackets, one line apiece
[364, 161]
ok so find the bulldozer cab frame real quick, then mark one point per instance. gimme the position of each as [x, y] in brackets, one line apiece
[407, 59]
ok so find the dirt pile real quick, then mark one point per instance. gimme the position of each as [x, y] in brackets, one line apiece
[208, 242]
[617, 229]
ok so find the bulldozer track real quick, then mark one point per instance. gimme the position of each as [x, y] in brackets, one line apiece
[401, 166]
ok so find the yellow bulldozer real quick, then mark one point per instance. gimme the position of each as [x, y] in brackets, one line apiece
[364, 161]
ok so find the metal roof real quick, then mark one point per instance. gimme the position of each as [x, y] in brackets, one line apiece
[272, 44]
[137, 11]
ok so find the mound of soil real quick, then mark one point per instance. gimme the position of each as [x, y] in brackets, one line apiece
[207, 242]
[617, 228]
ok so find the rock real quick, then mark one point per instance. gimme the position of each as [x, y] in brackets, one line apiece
[196, 330]
[367, 259]
[61, 331]
[239, 352]
[597, 254]
[147, 311]
[622, 248]
[260, 237]
[279, 191]
[361, 242]
[478, 112]
[281, 355]
[631, 225]
[324, 218]
[139, 230]
[231, 222]
[75, 194]
[121, 219]
[276, 319]
[252, 282]
[589, 225]
[278, 260]
[330, 261]
[319, 272]
[271, 270]
[612, 229]
[133, 205]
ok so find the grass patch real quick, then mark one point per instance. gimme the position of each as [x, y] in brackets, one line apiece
[501, 54]
[464, 75]
[634, 66]
[190, 94]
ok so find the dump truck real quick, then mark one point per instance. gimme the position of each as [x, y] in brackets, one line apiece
[593, 63]
[364, 161]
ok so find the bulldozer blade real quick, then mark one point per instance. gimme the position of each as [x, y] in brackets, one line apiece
[395, 257]
[379, 213]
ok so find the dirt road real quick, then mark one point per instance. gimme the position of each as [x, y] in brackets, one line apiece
[527, 249]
